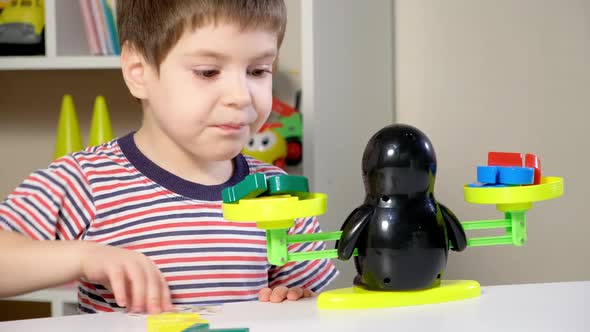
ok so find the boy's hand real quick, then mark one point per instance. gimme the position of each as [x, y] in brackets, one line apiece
[280, 293]
[134, 279]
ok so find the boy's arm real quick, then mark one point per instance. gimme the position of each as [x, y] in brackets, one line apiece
[29, 265]
[57, 203]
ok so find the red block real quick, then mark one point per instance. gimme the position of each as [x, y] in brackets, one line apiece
[504, 159]
[531, 160]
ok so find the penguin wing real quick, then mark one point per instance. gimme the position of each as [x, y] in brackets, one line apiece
[352, 229]
[455, 230]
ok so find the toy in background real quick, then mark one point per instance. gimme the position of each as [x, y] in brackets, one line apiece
[4, 4]
[22, 28]
[289, 125]
[69, 138]
[267, 145]
[279, 141]
[400, 235]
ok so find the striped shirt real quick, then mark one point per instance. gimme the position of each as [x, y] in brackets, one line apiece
[112, 194]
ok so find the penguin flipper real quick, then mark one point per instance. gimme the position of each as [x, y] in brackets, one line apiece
[351, 230]
[455, 230]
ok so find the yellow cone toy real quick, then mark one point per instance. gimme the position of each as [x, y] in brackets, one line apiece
[100, 127]
[68, 131]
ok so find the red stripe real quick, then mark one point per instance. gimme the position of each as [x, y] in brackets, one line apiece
[190, 224]
[319, 276]
[210, 259]
[286, 280]
[133, 199]
[46, 185]
[104, 157]
[195, 241]
[19, 224]
[90, 287]
[76, 192]
[145, 212]
[267, 169]
[215, 293]
[120, 185]
[108, 172]
[87, 285]
[68, 211]
[50, 233]
[94, 305]
[40, 200]
[217, 276]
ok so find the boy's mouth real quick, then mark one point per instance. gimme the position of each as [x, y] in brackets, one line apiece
[230, 127]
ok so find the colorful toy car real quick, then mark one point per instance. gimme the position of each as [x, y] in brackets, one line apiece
[22, 22]
[288, 123]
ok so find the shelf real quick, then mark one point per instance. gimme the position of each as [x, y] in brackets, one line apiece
[65, 43]
[63, 299]
[59, 62]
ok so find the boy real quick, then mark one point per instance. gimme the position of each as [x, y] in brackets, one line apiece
[147, 206]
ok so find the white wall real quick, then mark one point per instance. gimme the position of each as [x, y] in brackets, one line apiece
[347, 96]
[504, 75]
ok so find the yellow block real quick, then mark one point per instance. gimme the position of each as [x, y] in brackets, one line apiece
[173, 321]
[360, 298]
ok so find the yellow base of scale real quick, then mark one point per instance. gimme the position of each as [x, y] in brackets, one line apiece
[360, 298]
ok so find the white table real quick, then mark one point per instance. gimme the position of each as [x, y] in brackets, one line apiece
[532, 307]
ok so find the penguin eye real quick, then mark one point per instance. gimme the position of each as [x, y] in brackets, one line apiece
[385, 198]
[251, 142]
[265, 141]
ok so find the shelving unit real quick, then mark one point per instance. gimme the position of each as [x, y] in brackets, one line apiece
[65, 43]
[59, 62]
[63, 300]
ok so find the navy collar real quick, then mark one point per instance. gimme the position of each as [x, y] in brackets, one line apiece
[176, 184]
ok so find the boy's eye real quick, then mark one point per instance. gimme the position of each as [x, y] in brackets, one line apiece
[259, 72]
[207, 73]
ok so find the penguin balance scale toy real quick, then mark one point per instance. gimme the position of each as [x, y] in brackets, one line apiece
[400, 236]
[402, 233]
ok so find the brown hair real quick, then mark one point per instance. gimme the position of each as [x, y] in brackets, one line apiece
[153, 27]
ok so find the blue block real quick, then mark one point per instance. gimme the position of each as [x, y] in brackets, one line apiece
[516, 175]
[487, 174]
[486, 185]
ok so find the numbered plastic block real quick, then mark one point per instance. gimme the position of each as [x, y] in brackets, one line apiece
[504, 159]
[252, 186]
[487, 174]
[515, 175]
[531, 160]
[287, 185]
[486, 185]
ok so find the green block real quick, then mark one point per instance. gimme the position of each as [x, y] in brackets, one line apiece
[199, 327]
[252, 186]
[287, 184]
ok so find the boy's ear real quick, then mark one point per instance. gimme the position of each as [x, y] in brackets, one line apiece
[134, 68]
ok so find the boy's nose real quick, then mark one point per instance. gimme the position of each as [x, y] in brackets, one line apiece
[237, 94]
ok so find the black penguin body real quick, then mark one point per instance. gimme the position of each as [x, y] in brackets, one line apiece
[401, 232]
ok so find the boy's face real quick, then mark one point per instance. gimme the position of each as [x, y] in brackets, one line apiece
[213, 91]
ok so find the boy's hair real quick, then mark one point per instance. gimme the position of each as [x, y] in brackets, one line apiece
[153, 27]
